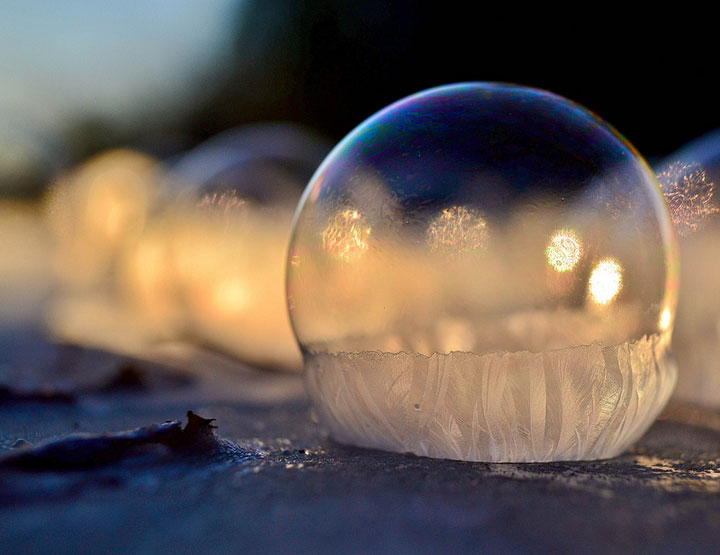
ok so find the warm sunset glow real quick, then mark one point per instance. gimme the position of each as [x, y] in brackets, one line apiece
[116, 188]
[605, 281]
[564, 250]
[457, 230]
[346, 235]
[230, 296]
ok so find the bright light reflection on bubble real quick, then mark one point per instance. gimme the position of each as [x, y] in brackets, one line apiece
[346, 235]
[564, 250]
[665, 318]
[605, 281]
[457, 230]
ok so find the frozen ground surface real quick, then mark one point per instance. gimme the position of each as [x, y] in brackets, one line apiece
[292, 489]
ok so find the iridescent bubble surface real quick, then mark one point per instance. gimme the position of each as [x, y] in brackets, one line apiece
[689, 179]
[485, 272]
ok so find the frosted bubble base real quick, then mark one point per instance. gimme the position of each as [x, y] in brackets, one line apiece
[579, 403]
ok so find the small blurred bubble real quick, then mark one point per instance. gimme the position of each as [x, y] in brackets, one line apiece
[98, 210]
[689, 179]
[95, 214]
[211, 262]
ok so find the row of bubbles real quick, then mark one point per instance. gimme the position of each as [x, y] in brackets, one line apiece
[195, 249]
[475, 220]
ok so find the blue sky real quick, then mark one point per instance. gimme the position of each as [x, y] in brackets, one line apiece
[61, 58]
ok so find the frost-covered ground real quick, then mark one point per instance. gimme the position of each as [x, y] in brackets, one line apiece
[294, 490]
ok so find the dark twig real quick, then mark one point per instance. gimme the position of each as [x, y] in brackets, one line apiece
[82, 451]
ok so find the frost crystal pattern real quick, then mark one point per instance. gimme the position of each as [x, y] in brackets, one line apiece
[578, 403]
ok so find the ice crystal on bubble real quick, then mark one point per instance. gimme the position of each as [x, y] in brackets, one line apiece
[689, 195]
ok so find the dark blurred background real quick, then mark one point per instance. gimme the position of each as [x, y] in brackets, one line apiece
[78, 77]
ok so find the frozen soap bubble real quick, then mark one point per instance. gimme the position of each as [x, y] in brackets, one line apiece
[689, 179]
[485, 272]
[96, 211]
[212, 266]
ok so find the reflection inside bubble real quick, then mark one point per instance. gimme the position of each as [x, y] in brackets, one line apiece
[564, 250]
[605, 281]
[457, 230]
[665, 319]
[346, 235]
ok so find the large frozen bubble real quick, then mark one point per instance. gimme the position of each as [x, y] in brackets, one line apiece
[485, 272]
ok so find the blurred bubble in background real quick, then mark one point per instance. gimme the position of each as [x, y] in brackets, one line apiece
[689, 178]
[96, 214]
[212, 263]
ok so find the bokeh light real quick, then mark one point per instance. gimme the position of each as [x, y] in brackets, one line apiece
[605, 281]
[564, 250]
[665, 319]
